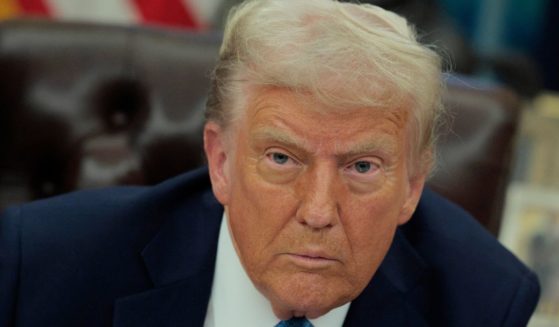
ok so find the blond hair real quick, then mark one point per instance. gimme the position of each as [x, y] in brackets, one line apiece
[344, 54]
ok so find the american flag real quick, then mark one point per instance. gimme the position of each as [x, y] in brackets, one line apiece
[191, 14]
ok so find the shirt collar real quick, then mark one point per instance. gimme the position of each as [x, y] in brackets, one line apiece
[236, 302]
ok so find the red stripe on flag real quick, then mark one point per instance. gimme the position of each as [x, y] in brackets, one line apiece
[37, 7]
[166, 12]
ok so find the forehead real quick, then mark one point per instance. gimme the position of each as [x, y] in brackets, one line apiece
[290, 116]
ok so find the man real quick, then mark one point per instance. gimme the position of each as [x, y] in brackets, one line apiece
[319, 138]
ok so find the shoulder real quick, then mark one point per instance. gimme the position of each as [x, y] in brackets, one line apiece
[108, 209]
[442, 225]
[475, 274]
[66, 251]
[108, 223]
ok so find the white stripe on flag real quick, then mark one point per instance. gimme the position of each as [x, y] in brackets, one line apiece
[204, 10]
[105, 11]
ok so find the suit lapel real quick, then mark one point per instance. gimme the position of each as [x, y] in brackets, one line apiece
[398, 293]
[180, 262]
[181, 304]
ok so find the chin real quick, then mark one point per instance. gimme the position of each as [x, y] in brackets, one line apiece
[308, 294]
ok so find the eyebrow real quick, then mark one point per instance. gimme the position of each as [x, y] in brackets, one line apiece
[279, 136]
[382, 143]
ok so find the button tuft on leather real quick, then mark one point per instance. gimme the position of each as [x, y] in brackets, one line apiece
[122, 104]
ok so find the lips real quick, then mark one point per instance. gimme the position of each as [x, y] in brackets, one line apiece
[312, 257]
[309, 259]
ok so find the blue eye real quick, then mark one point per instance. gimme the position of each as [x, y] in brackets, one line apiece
[279, 158]
[362, 167]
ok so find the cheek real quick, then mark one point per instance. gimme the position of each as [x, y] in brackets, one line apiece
[370, 227]
[259, 211]
[270, 201]
[261, 190]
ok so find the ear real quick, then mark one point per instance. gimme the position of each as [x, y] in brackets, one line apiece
[216, 150]
[415, 188]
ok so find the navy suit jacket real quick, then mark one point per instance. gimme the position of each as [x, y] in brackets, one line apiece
[144, 256]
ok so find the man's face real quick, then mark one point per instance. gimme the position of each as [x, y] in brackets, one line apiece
[313, 196]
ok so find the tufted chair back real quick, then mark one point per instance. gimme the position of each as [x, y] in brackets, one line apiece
[85, 105]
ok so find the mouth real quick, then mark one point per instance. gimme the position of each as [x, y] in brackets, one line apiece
[311, 260]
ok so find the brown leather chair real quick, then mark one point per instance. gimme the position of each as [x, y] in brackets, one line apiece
[85, 105]
[476, 149]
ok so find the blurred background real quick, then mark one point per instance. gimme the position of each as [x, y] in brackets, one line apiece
[513, 41]
[510, 43]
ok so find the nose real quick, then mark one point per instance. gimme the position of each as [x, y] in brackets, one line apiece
[318, 207]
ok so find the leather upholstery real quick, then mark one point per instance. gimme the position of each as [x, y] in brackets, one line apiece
[84, 105]
[475, 153]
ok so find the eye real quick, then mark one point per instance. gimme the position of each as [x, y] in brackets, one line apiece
[278, 166]
[362, 167]
[279, 158]
[365, 175]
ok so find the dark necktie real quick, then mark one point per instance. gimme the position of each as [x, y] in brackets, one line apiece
[295, 322]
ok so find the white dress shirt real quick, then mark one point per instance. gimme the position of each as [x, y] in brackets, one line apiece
[235, 302]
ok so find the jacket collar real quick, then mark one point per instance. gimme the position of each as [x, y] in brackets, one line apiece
[398, 294]
[180, 261]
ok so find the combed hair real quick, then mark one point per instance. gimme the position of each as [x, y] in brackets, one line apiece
[346, 55]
